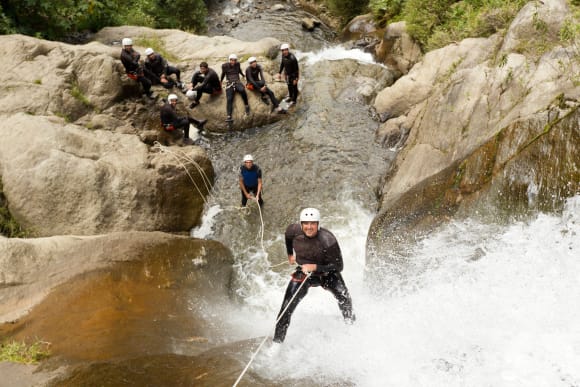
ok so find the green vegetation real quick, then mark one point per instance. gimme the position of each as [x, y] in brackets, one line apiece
[8, 226]
[21, 353]
[76, 92]
[57, 20]
[157, 45]
[347, 8]
[437, 23]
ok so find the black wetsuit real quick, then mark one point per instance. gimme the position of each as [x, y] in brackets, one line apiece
[130, 60]
[255, 77]
[158, 66]
[289, 65]
[324, 251]
[250, 180]
[232, 74]
[208, 83]
[169, 117]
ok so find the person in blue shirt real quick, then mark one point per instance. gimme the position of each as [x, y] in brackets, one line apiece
[250, 181]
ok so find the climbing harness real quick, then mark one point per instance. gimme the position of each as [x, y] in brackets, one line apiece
[307, 275]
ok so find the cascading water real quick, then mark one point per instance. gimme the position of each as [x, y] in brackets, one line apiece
[479, 305]
[474, 305]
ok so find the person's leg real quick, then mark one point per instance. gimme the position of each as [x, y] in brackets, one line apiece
[197, 123]
[284, 318]
[334, 283]
[183, 123]
[273, 98]
[200, 92]
[230, 92]
[242, 90]
[146, 83]
[244, 199]
[254, 190]
[293, 89]
[173, 70]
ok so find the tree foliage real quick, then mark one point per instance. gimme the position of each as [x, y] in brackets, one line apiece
[56, 19]
[347, 8]
[436, 23]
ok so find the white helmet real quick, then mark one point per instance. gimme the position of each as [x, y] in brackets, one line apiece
[149, 51]
[252, 59]
[127, 42]
[233, 56]
[248, 158]
[310, 215]
[172, 97]
[191, 94]
[284, 46]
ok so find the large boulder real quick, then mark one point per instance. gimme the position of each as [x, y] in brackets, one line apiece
[189, 51]
[483, 130]
[31, 268]
[56, 78]
[60, 178]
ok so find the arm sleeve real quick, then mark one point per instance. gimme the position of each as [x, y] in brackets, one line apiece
[289, 237]
[332, 254]
[250, 79]
[223, 74]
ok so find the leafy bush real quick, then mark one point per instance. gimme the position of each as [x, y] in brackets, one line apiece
[347, 8]
[18, 352]
[56, 19]
[473, 18]
[436, 23]
[423, 16]
[386, 11]
[8, 226]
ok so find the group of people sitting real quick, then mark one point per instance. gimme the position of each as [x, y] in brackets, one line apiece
[154, 70]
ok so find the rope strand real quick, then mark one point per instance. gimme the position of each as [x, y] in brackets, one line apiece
[266, 338]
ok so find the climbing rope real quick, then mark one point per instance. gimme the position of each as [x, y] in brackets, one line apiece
[266, 338]
[181, 157]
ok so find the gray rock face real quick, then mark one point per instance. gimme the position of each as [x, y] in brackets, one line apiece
[63, 179]
[486, 125]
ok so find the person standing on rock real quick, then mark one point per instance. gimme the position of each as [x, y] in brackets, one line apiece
[130, 59]
[250, 181]
[289, 65]
[161, 70]
[231, 70]
[205, 80]
[317, 252]
[255, 81]
[171, 121]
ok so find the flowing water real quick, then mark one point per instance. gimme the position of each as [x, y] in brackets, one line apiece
[475, 305]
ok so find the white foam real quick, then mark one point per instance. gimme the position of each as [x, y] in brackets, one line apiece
[483, 306]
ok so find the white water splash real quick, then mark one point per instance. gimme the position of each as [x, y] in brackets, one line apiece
[484, 306]
[207, 223]
[337, 53]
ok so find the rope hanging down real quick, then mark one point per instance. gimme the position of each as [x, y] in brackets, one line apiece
[181, 157]
[266, 338]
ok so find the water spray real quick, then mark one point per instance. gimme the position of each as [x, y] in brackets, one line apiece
[308, 274]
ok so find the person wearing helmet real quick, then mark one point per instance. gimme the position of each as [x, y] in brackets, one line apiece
[289, 65]
[205, 80]
[130, 59]
[160, 70]
[317, 252]
[255, 81]
[171, 121]
[231, 70]
[250, 181]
